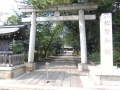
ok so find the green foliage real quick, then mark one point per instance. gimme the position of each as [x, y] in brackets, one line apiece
[47, 3]
[94, 57]
[79, 53]
[12, 20]
[18, 47]
[116, 55]
[116, 34]
[48, 39]
[36, 56]
[116, 27]
[26, 57]
[93, 36]
[71, 35]
[102, 2]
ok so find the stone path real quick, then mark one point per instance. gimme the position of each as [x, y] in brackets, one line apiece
[63, 75]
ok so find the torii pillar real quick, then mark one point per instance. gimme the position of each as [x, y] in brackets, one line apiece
[30, 66]
[82, 32]
[32, 38]
[83, 66]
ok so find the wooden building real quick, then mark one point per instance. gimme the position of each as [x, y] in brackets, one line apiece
[11, 65]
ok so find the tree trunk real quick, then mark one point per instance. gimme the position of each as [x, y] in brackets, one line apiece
[48, 47]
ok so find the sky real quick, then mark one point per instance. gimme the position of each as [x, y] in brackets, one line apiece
[6, 7]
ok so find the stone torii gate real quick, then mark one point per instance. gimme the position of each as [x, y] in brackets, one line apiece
[57, 9]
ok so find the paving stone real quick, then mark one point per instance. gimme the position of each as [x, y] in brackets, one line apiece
[57, 83]
[49, 83]
[66, 84]
[60, 77]
[41, 83]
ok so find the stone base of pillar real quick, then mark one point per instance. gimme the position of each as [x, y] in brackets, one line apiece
[11, 72]
[83, 67]
[104, 76]
[30, 67]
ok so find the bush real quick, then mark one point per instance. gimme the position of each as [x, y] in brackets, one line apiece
[36, 56]
[54, 52]
[94, 57]
[26, 57]
[116, 56]
[48, 53]
[78, 53]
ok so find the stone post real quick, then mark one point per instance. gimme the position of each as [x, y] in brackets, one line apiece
[32, 38]
[106, 41]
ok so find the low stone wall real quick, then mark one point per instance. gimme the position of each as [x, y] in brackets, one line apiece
[104, 76]
[11, 72]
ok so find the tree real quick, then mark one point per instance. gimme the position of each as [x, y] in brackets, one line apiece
[116, 32]
[114, 9]
[72, 35]
[46, 38]
[12, 20]
[47, 3]
[23, 45]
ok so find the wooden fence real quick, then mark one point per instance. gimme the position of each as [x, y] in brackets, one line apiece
[11, 60]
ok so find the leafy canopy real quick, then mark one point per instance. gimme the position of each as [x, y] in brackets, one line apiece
[47, 3]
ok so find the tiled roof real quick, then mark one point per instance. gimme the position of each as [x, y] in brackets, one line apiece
[16, 32]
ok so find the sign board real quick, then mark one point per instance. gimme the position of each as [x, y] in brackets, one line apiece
[6, 46]
[106, 41]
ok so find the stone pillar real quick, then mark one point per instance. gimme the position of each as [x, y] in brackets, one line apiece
[32, 38]
[106, 41]
[82, 37]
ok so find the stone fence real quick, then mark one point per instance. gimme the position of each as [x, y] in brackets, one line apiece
[11, 60]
